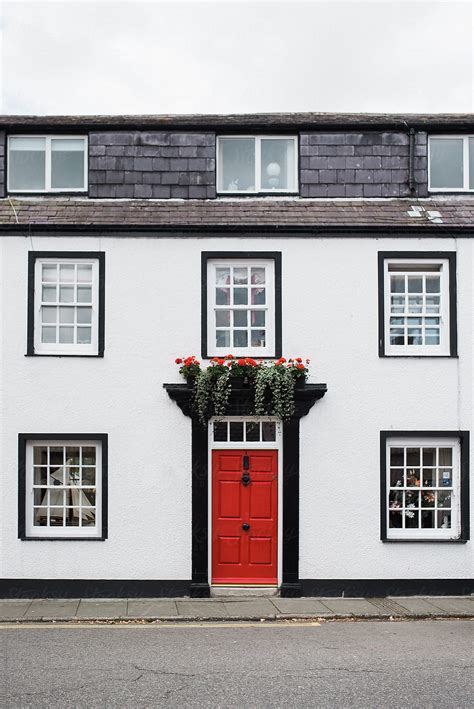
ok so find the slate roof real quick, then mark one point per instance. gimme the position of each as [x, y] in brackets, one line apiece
[242, 213]
[309, 121]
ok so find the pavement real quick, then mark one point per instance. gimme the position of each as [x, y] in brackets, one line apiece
[232, 609]
[369, 665]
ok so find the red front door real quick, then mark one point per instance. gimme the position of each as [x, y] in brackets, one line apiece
[244, 516]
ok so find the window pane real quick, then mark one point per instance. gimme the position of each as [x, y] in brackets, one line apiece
[252, 431]
[49, 273]
[83, 335]
[397, 284]
[237, 164]
[66, 294]
[66, 335]
[84, 315]
[48, 315]
[66, 273]
[258, 296]
[67, 163]
[222, 296]
[257, 318]
[49, 294]
[240, 296]
[84, 294]
[268, 431]
[277, 164]
[220, 431]
[240, 338]
[446, 162]
[241, 276]
[222, 338]
[258, 276]
[223, 276]
[48, 334]
[26, 163]
[240, 318]
[236, 431]
[88, 476]
[84, 273]
[258, 338]
[66, 316]
[88, 455]
[223, 318]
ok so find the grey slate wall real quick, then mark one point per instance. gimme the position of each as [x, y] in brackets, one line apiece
[156, 164]
[361, 164]
[2, 164]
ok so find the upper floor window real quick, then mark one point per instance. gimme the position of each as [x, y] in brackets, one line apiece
[451, 163]
[65, 310]
[257, 164]
[47, 164]
[242, 298]
[417, 301]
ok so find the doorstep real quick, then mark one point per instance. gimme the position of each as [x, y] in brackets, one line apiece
[242, 608]
[246, 591]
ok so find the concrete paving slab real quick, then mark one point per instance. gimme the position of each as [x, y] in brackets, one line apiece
[151, 607]
[463, 606]
[12, 609]
[356, 606]
[301, 606]
[102, 608]
[255, 607]
[418, 605]
[202, 609]
[52, 608]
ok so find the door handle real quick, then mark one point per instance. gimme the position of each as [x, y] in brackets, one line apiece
[246, 527]
[245, 479]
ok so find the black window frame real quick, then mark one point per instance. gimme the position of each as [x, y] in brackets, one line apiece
[463, 437]
[450, 256]
[30, 336]
[276, 256]
[23, 440]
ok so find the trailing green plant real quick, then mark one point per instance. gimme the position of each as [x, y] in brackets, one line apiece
[274, 392]
[211, 392]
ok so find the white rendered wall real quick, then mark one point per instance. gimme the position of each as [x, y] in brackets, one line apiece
[153, 291]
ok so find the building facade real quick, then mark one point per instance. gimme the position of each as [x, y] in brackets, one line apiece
[128, 242]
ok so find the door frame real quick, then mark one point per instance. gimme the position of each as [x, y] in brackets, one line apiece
[242, 402]
[276, 445]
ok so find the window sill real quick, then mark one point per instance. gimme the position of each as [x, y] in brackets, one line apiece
[424, 541]
[43, 193]
[100, 355]
[418, 356]
[293, 193]
[63, 539]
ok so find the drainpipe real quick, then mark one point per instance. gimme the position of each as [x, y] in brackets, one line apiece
[411, 160]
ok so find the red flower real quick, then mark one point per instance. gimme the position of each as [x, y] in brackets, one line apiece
[230, 357]
[197, 362]
[298, 359]
[282, 360]
[241, 362]
[251, 362]
[220, 362]
[178, 360]
[308, 361]
[300, 366]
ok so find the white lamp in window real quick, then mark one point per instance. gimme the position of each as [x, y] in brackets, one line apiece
[273, 174]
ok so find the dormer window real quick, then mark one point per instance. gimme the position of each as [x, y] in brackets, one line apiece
[257, 164]
[451, 163]
[47, 163]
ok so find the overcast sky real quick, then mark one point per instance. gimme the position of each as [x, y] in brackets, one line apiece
[235, 56]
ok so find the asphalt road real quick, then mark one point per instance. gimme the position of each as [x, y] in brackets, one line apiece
[351, 664]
